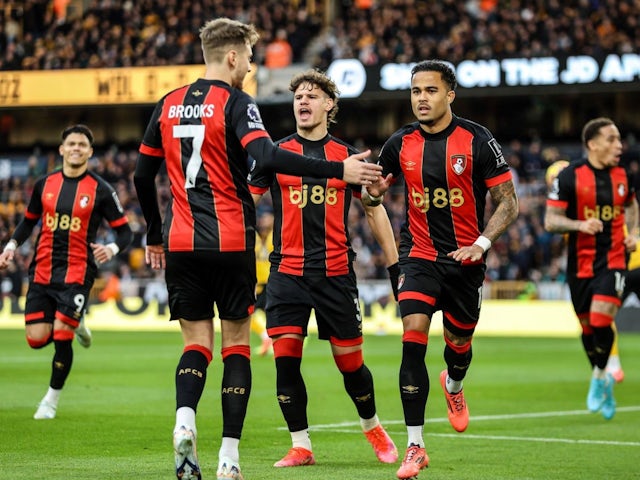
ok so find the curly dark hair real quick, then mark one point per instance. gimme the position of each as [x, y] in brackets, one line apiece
[324, 83]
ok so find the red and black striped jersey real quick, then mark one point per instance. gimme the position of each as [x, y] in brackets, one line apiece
[585, 192]
[70, 210]
[200, 130]
[447, 176]
[310, 235]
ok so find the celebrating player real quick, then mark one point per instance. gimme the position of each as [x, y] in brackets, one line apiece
[592, 201]
[70, 205]
[614, 366]
[311, 268]
[204, 131]
[449, 164]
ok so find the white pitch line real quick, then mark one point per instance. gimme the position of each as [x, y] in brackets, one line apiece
[343, 427]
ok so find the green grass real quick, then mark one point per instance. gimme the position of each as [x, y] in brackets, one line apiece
[116, 414]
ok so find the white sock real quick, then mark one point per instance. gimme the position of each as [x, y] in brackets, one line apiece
[613, 363]
[415, 435]
[599, 373]
[229, 449]
[301, 439]
[368, 424]
[186, 416]
[52, 396]
[453, 386]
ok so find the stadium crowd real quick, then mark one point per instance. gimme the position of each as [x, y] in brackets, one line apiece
[45, 34]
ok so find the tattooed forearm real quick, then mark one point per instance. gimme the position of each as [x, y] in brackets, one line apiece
[556, 221]
[506, 212]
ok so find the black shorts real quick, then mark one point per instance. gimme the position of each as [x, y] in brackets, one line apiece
[426, 287]
[44, 300]
[261, 298]
[198, 280]
[290, 299]
[606, 284]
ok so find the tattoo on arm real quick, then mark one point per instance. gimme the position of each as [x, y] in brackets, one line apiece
[556, 221]
[506, 211]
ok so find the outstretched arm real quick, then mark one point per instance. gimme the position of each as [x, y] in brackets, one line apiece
[352, 170]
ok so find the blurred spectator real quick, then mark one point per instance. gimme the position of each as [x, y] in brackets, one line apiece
[278, 53]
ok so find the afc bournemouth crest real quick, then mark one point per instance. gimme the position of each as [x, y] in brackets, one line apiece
[400, 281]
[622, 191]
[84, 201]
[458, 163]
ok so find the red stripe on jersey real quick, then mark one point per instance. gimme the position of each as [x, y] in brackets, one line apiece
[216, 163]
[83, 207]
[153, 152]
[251, 136]
[411, 161]
[462, 201]
[258, 190]
[292, 234]
[119, 223]
[557, 203]
[502, 178]
[335, 217]
[44, 254]
[180, 234]
[585, 201]
[31, 216]
[620, 190]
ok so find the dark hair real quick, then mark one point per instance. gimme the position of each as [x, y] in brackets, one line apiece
[592, 128]
[447, 73]
[324, 83]
[78, 128]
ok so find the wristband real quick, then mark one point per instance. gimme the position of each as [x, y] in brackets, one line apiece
[373, 199]
[114, 249]
[483, 242]
[11, 246]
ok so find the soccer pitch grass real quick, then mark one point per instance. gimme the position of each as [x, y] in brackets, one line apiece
[526, 398]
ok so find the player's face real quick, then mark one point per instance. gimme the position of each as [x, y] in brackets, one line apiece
[606, 147]
[76, 151]
[242, 66]
[310, 107]
[431, 101]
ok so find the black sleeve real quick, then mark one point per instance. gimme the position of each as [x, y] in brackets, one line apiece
[271, 157]
[144, 180]
[124, 236]
[24, 229]
[32, 214]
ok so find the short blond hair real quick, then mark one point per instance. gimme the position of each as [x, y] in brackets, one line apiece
[219, 35]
